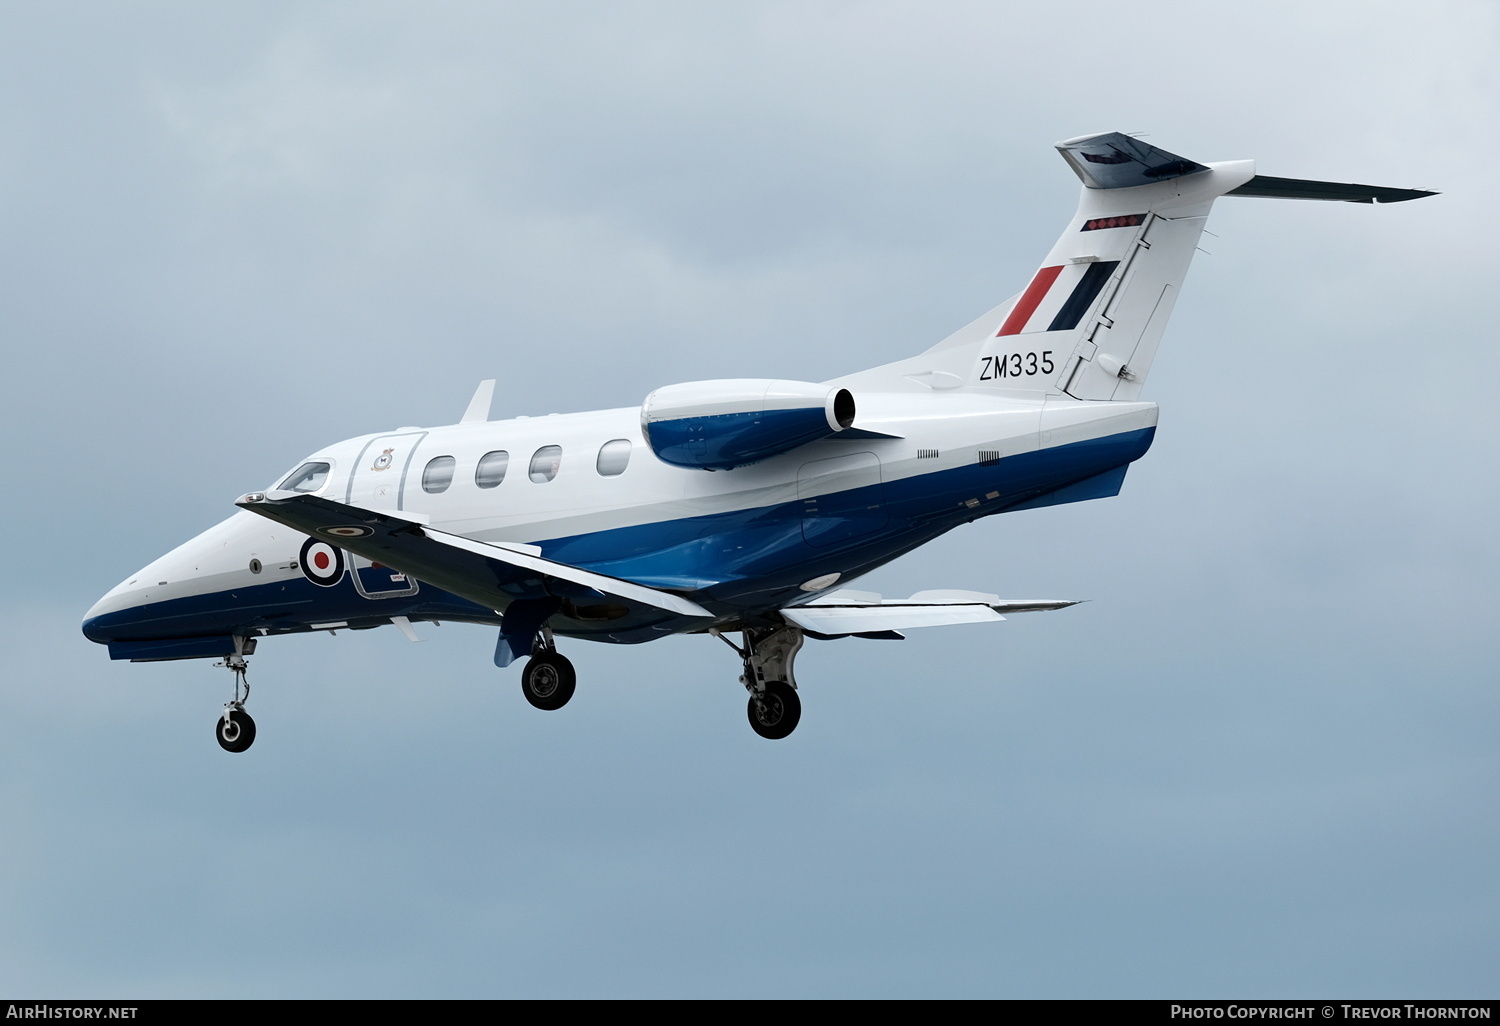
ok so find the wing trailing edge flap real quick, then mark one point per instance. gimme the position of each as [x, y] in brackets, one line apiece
[475, 570]
[843, 613]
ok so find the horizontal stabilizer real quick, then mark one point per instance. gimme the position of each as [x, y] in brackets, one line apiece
[475, 570]
[1302, 188]
[852, 612]
[1114, 160]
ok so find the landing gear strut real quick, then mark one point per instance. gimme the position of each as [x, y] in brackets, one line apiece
[548, 679]
[235, 730]
[774, 708]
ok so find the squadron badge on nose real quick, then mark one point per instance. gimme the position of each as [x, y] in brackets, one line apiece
[383, 461]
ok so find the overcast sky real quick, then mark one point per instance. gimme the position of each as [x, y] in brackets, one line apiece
[1261, 761]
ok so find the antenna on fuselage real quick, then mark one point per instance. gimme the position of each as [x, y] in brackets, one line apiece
[479, 406]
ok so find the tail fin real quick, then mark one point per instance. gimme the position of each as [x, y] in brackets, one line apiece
[1103, 295]
[1089, 322]
[1094, 313]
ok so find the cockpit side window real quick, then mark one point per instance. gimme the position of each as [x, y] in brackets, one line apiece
[307, 478]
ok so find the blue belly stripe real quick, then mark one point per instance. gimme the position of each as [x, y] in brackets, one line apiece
[765, 542]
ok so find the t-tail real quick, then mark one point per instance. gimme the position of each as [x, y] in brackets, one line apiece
[1089, 322]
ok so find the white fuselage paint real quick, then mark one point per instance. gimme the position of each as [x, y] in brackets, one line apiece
[580, 501]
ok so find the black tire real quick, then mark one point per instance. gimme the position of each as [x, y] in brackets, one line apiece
[236, 735]
[548, 680]
[775, 714]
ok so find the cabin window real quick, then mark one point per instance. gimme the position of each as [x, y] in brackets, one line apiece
[491, 469]
[614, 457]
[438, 474]
[307, 478]
[545, 463]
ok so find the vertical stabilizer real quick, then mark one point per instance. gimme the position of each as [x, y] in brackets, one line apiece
[1089, 321]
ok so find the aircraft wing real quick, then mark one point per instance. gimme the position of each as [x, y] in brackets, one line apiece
[850, 612]
[475, 570]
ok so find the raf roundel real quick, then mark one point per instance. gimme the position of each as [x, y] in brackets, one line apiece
[346, 531]
[321, 563]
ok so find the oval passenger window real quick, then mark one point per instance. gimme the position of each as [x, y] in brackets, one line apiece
[545, 463]
[491, 469]
[614, 457]
[307, 478]
[438, 474]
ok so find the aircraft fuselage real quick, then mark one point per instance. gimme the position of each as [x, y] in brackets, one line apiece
[741, 542]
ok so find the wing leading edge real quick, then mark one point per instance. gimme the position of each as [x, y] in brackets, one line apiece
[490, 574]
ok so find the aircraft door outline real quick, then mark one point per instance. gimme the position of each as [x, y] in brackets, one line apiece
[842, 498]
[378, 480]
[374, 581]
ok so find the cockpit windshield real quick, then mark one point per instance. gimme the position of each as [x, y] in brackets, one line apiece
[307, 478]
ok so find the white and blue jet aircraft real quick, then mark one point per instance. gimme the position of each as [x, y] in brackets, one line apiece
[735, 507]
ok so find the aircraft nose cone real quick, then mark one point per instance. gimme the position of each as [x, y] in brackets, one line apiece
[108, 618]
[96, 631]
[171, 596]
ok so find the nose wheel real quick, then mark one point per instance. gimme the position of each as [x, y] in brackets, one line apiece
[235, 730]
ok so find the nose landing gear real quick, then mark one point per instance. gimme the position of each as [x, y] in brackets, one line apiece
[235, 730]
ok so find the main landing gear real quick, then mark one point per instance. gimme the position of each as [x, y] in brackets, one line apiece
[548, 679]
[235, 730]
[774, 708]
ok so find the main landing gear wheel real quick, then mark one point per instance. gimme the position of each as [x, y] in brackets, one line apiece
[548, 680]
[774, 712]
[235, 732]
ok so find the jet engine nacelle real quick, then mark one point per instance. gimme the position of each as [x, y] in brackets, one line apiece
[720, 425]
